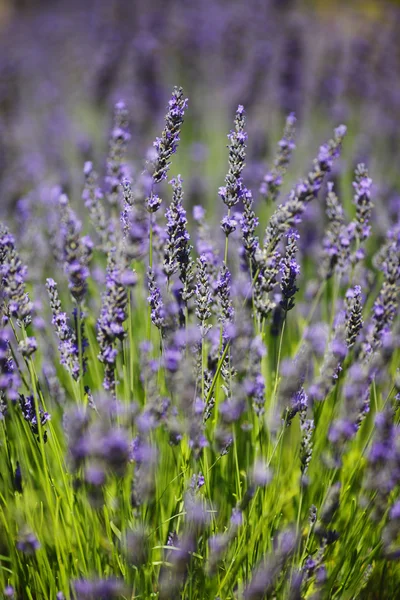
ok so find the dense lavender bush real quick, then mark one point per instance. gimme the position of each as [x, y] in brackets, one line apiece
[199, 410]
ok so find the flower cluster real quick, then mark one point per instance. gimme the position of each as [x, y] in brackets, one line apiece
[272, 181]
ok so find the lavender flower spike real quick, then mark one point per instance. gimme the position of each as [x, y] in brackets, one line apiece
[354, 320]
[167, 144]
[385, 307]
[156, 302]
[362, 200]
[203, 294]
[93, 198]
[335, 250]
[249, 224]
[177, 248]
[120, 136]
[68, 347]
[289, 214]
[111, 319]
[272, 181]
[13, 274]
[289, 269]
[233, 189]
[77, 251]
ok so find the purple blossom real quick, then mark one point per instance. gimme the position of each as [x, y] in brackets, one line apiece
[272, 181]
[98, 589]
[158, 313]
[28, 543]
[290, 270]
[93, 199]
[13, 275]
[233, 189]
[167, 144]
[115, 168]
[354, 321]
[68, 346]
[289, 214]
[9, 377]
[77, 251]
[362, 200]
[30, 410]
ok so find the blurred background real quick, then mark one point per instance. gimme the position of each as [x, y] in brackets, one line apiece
[63, 64]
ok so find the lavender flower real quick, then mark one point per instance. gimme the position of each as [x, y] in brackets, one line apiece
[115, 169]
[335, 249]
[111, 319]
[362, 200]
[8, 591]
[9, 377]
[168, 143]
[68, 346]
[265, 576]
[223, 289]
[158, 315]
[354, 320]
[28, 543]
[249, 225]
[331, 367]
[29, 410]
[203, 294]
[228, 225]
[289, 214]
[385, 307]
[272, 181]
[98, 589]
[177, 250]
[13, 275]
[266, 280]
[233, 189]
[254, 383]
[93, 199]
[77, 251]
[27, 346]
[289, 269]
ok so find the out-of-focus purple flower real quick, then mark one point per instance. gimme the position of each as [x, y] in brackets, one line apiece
[93, 199]
[198, 213]
[98, 589]
[28, 346]
[335, 246]
[77, 251]
[9, 377]
[331, 367]
[385, 306]
[203, 296]
[362, 200]
[265, 576]
[28, 543]
[115, 168]
[272, 181]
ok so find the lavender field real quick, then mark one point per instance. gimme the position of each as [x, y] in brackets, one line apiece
[200, 277]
